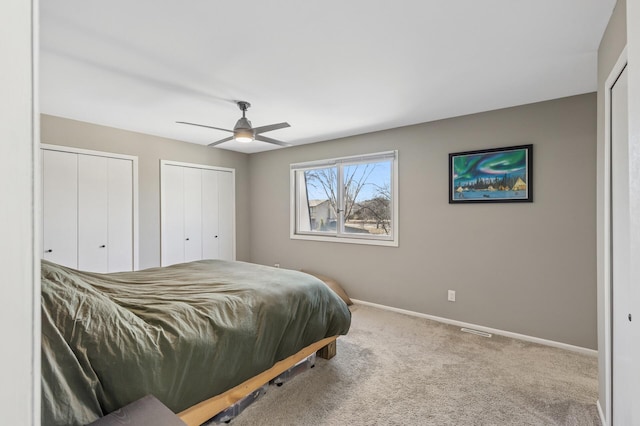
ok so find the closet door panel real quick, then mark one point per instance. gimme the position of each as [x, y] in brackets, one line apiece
[60, 207]
[210, 205]
[92, 213]
[192, 214]
[205, 197]
[173, 218]
[226, 211]
[120, 215]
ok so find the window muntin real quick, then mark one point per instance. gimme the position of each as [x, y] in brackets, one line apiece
[350, 199]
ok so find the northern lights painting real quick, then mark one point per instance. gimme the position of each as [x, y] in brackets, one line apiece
[498, 175]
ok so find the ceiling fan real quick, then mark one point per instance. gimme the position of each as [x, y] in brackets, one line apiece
[243, 132]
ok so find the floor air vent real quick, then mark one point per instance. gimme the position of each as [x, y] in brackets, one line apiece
[472, 331]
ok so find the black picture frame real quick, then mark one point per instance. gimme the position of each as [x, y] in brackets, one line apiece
[496, 175]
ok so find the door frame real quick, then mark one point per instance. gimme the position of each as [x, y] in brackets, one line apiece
[605, 243]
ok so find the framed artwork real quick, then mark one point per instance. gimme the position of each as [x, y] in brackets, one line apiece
[498, 175]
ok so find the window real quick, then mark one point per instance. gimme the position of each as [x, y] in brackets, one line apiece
[349, 199]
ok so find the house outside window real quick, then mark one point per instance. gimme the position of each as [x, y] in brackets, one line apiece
[348, 199]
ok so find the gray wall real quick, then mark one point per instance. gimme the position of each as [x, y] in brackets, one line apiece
[528, 268]
[612, 44]
[150, 150]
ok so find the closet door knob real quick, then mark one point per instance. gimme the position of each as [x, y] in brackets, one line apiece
[48, 251]
[102, 246]
[187, 239]
[215, 236]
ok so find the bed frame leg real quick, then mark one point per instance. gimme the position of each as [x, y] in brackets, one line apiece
[328, 351]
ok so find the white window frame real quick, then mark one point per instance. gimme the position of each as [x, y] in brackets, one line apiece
[339, 236]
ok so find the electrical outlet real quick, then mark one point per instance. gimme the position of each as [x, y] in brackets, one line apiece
[451, 296]
[277, 265]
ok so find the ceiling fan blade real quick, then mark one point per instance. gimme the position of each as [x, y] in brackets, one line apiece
[202, 125]
[270, 140]
[270, 127]
[221, 141]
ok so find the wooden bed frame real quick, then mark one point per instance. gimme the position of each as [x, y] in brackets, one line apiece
[205, 410]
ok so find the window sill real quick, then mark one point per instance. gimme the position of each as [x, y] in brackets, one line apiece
[346, 240]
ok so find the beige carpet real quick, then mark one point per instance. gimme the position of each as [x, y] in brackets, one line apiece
[393, 369]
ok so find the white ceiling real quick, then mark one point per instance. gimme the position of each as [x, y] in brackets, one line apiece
[330, 68]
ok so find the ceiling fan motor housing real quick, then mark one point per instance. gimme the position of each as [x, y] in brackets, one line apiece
[243, 123]
[243, 132]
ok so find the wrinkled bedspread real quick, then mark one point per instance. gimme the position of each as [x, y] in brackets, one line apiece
[183, 333]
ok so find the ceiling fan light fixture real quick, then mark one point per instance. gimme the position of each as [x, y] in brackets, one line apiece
[243, 135]
[242, 131]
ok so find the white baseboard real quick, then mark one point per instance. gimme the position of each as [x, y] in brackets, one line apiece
[524, 337]
[601, 414]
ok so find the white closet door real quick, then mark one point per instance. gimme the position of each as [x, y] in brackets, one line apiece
[210, 204]
[120, 215]
[192, 214]
[197, 213]
[60, 207]
[226, 212]
[92, 213]
[173, 217]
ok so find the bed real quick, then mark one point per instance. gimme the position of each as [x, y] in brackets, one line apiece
[184, 333]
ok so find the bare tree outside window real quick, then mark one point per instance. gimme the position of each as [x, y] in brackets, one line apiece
[366, 196]
[378, 209]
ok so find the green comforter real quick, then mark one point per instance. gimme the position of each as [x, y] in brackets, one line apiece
[182, 333]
